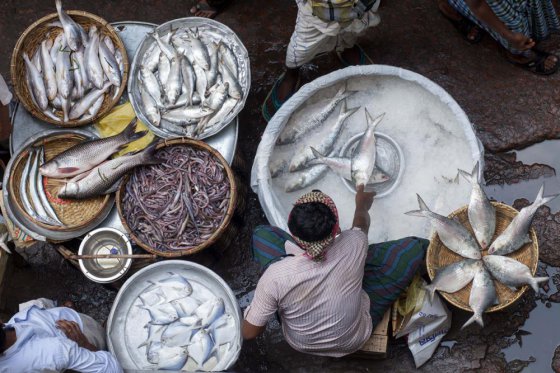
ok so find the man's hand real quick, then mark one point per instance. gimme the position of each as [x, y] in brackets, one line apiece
[73, 332]
[364, 200]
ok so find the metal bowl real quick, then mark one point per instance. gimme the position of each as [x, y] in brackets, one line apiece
[389, 158]
[209, 30]
[125, 323]
[105, 241]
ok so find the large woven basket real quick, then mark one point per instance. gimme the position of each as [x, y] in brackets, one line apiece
[75, 214]
[225, 222]
[439, 256]
[32, 38]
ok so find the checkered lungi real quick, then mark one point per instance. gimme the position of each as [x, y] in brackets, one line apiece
[389, 269]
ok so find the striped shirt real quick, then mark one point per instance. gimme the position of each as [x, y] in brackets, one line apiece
[323, 308]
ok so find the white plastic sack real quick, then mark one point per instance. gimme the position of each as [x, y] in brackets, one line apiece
[426, 329]
[5, 94]
[42, 303]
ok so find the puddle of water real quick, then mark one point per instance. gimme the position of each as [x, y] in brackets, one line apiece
[542, 322]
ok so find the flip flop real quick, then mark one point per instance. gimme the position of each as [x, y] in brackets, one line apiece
[537, 64]
[364, 58]
[204, 7]
[271, 103]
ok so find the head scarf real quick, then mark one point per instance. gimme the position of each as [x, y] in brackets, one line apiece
[316, 249]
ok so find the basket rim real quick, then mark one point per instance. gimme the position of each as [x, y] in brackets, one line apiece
[11, 185]
[35, 111]
[501, 306]
[227, 217]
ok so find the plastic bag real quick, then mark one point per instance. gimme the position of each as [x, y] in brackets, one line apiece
[117, 120]
[426, 328]
[414, 299]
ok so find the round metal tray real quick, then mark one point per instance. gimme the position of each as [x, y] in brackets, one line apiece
[209, 29]
[389, 158]
[29, 227]
[125, 323]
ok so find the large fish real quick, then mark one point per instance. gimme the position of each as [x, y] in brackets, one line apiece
[482, 215]
[517, 232]
[453, 234]
[325, 144]
[103, 179]
[86, 155]
[72, 32]
[363, 160]
[453, 277]
[297, 129]
[343, 167]
[483, 295]
[36, 83]
[512, 273]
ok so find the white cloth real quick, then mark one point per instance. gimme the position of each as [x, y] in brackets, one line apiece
[313, 36]
[41, 347]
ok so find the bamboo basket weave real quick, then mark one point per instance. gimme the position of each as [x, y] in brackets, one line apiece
[439, 256]
[32, 38]
[75, 214]
[225, 222]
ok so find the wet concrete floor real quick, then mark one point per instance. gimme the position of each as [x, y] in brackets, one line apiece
[510, 108]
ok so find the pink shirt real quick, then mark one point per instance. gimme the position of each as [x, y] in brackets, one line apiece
[323, 308]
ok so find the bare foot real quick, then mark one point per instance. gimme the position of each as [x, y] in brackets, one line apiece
[203, 9]
[550, 62]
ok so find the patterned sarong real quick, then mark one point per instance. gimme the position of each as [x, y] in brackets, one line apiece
[389, 269]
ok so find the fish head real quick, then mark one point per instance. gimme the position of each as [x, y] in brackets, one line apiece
[68, 190]
[50, 169]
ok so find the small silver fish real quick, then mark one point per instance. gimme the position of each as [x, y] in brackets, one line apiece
[151, 57]
[164, 65]
[152, 297]
[363, 160]
[210, 311]
[218, 117]
[154, 335]
[189, 78]
[224, 330]
[483, 295]
[172, 358]
[234, 88]
[36, 203]
[304, 178]
[161, 314]
[174, 80]
[27, 205]
[512, 273]
[151, 85]
[212, 72]
[64, 76]
[217, 96]
[58, 44]
[517, 232]
[201, 347]
[167, 49]
[110, 65]
[453, 235]
[178, 334]
[48, 72]
[482, 215]
[200, 82]
[453, 277]
[199, 50]
[41, 190]
[227, 57]
[72, 32]
[93, 64]
[185, 306]
[80, 107]
[277, 167]
[36, 83]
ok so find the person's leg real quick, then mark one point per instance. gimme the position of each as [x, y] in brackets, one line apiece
[348, 51]
[268, 244]
[470, 31]
[389, 269]
[207, 8]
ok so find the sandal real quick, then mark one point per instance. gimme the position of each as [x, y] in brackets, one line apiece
[203, 8]
[537, 64]
[364, 58]
[465, 28]
[271, 103]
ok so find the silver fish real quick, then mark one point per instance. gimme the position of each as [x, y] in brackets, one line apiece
[154, 334]
[23, 187]
[65, 103]
[164, 46]
[201, 347]
[175, 287]
[56, 47]
[190, 112]
[453, 277]
[277, 167]
[210, 311]
[227, 57]
[87, 101]
[453, 235]
[78, 62]
[483, 295]
[164, 65]
[150, 107]
[199, 51]
[174, 80]
[161, 314]
[189, 78]
[343, 167]
[217, 96]
[120, 61]
[512, 273]
[109, 43]
[304, 178]
[482, 215]
[152, 297]
[36, 59]
[40, 188]
[72, 32]
[234, 89]
[48, 72]
[151, 57]
[304, 154]
[94, 109]
[517, 232]
[64, 76]
[110, 65]
[86, 155]
[175, 117]
[93, 64]
[363, 160]
[201, 83]
[151, 85]
[36, 82]
[100, 179]
[210, 121]
[178, 334]
[294, 131]
[212, 72]
[185, 306]
[225, 331]
[167, 358]
[34, 192]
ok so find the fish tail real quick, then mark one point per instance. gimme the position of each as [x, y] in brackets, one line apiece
[472, 177]
[535, 281]
[58, 4]
[430, 289]
[373, 123]
[129, 133]
[148, 155]
[316, 153]
[345, 112]
[476, 317]
[540, 200]
[423, 208]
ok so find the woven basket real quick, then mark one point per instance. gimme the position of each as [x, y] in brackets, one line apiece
[32, 38]
[75, 214]
[439, 256]
[225, 222]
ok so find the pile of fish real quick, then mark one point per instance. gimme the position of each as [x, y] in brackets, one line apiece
[315, 155]
[92, 174]
[188, 84]
[476, 268]
[179, 203]
[183, 324]
[69, 75]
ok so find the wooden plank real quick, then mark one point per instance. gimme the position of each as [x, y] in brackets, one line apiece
[376, 346]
